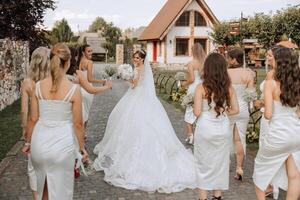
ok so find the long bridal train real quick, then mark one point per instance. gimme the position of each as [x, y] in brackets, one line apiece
[140, 149]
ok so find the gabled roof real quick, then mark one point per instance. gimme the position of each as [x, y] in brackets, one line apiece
[168, 14]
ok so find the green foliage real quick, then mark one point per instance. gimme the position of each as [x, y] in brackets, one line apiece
[62, 31]
[268, 29]
[259, 27]
[112, 34]
[21, 19]
[288, 22]
[98, 24]
[221, 35]
[10, 129]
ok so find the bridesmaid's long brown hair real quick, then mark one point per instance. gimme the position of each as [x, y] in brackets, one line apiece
[216, 82]
[287, 73]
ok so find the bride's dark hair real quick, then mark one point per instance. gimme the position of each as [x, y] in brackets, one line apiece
[287, 73]
[216, 82]
[141, 53]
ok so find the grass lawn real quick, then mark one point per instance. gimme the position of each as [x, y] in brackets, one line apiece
[10, 129]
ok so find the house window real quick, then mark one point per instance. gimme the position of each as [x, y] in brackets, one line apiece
[182, 47]
[202, 42]
[184, 19]
[199, 19]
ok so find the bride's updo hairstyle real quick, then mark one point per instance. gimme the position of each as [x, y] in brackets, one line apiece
[141, 53]
[60, 59]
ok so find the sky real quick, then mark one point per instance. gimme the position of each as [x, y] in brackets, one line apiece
[135, 13]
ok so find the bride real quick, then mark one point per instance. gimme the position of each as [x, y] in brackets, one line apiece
[140, 149]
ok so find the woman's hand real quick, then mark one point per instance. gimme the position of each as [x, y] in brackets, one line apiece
[258, 103]
[108, 84]
[85, 155]
[26, 149]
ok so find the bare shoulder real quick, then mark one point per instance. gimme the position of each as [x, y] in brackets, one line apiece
[270, 75]
[27, 82]
[89, 63]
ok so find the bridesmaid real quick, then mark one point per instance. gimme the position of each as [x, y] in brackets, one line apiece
[214, 100]
[79, 77]
[55, 126]
[277, 161]
[85, 64]
[242, 80]
[39, 69]
[264, 123]
[194, 70]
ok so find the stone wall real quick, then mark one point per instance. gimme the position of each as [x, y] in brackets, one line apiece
[14, 60]
[119, 54]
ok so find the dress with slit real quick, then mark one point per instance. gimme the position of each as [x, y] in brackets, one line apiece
[54, 147]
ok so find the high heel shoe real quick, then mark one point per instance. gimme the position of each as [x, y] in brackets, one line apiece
[239, 174]
[217, 198]
[190, 139]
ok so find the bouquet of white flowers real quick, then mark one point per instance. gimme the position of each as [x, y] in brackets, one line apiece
[125, 72]
[110, 71]
[187, 100]
[249, 96]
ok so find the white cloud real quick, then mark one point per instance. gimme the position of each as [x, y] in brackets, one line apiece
[70, 15]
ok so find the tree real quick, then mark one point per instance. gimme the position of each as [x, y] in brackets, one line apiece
[98, 24]
[259, 27]
[221, 35]
[268, 29]
[23, 19]
[62, 31]
[112, 35]
[287, 22]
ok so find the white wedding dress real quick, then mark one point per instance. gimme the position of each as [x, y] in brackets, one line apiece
[140, 149]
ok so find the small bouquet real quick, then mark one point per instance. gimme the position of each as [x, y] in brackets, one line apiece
[249, 96]
[187, 100]
[180, 76]
[125, 72]
[110, 72]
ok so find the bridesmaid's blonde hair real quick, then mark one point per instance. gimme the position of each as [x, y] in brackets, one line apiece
[60, 54]
[199, 54]
[39, 64]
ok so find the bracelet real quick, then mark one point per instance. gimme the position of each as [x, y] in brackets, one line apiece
[27, 144]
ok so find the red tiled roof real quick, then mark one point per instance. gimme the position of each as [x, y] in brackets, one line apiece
[167, 15]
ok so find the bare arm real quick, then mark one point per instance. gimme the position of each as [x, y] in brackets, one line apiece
[268, 98]
[90, 76]
[88, 87]
[234, 109]
[77, 117]
[191, 76]
[136, 79]
[24, 104]
[34, 116]
[197, 108]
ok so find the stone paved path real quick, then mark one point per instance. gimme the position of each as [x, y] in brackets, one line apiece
[14, 182]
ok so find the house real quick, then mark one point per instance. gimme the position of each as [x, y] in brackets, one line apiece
[96, 41]
[178, 25]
